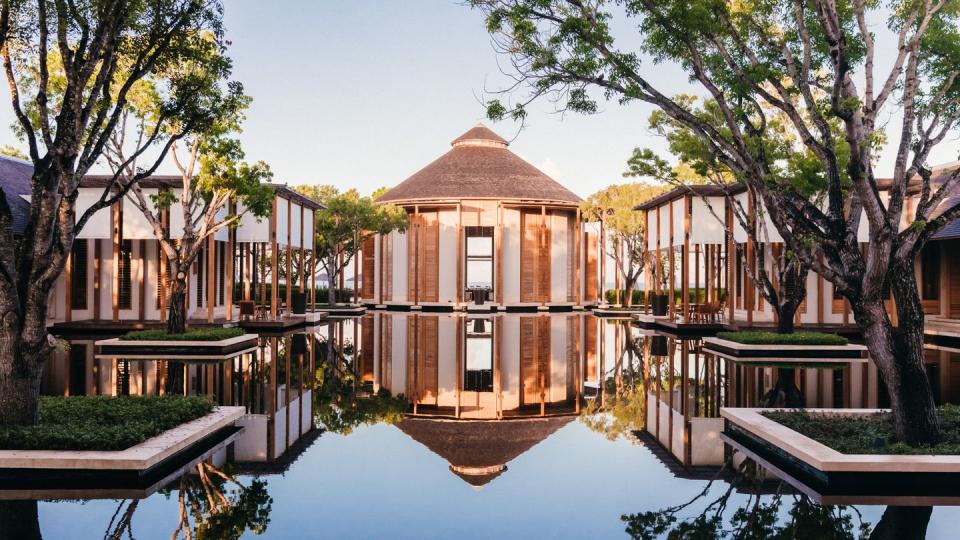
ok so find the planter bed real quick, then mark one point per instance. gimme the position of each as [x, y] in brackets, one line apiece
[784, 353]
[819, 469]
[142, 463]
[177, 348]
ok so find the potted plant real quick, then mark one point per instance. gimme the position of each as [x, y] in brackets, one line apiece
[660, 302]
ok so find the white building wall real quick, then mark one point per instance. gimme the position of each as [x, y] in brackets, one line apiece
[510, 362]
[448, 257]
[510, 251]
[558, 256]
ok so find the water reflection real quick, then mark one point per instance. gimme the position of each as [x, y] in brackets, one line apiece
[565, 401]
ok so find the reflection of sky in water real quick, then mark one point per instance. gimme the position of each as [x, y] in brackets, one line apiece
[380, 483]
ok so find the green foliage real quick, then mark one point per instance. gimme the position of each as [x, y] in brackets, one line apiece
[869, 434]
[13, 151]
[759, 337]
[347, 220]
[640, 295]
[197, 334]
[102, 422]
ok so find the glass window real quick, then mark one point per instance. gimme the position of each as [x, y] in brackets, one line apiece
[78, 275]
[478, 375]
[930, 272]
[125, 296]
[479, 257]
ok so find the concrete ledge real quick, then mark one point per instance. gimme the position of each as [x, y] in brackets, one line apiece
[141, 457]
[826, 459]
[767, 353]
[193, 349]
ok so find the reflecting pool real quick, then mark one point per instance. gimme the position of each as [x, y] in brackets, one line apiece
[405, 425]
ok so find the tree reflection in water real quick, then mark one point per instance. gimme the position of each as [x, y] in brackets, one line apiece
[769, 516]
[623, 407]
[212, 504]
[342, 400]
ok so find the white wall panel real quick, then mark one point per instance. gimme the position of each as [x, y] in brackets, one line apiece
[98, 226]
[705, 228]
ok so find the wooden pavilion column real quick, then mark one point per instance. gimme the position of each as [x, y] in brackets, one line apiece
[578, 230]
[117, 238]
[602, 255]
[68, 285]
[657, 267]
[673, 269]
[289, 252]
[646, 261]
[748, 296]
[303, 260]
[229, 262]
[544, 247]
[460, 263]
[164, 264]
[274, 262]
[731, 267]
[97, 263]
[142, 271]
[685, 262]
[211, 276]
[498, 256]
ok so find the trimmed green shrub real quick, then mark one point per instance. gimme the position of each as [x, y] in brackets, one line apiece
[639, 295]
[197, 334]
[102, 422]
[759, 337]
[869, 434]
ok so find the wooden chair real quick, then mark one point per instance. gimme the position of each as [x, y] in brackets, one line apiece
[247, 309]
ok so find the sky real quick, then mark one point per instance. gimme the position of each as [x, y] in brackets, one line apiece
[362, 94]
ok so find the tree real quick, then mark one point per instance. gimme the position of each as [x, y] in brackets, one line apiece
[346, 222]
[803, 59]
[13, 152]
[66, 111]
[626, 231]
[217, 187]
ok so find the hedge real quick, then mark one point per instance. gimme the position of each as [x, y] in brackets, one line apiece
[759, 337]
[197, 334]
[102, 422]
[639, 295]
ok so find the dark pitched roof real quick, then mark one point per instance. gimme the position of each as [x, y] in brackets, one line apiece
[169, 180]
[480, 166]
[478, 450]
[16, 180]
[702, 190]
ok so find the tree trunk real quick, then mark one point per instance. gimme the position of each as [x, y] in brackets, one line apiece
[20, 373]
[332, 287]
[628, 293]
[19, 520]
[177, 307]
[785, 392]
[903, 523]
[898, 354]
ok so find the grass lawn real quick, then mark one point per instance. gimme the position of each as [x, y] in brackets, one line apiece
[197, 334]
[758, 337]
[102, 422]
[871, 434]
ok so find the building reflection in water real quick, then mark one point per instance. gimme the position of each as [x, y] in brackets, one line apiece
[273, 381]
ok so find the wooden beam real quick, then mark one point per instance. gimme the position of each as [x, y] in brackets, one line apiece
[498, 255]
[97, 255]
[68, 286]
[117, 232]
[460, 263]
[685, 262]
[289, 253]
[578, 230]
[142, 267]
[229, 261]
[274, 263]
[211, 276]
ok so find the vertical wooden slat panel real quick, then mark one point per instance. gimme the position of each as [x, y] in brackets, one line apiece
[412, 256]
[366, 348]
[429, 373]
[368, 266]
[529, 247]
[544, 266]
[387, 284]
[430, 264]
[590, 287]
[590, 339]
[528, 361]
[412, 350]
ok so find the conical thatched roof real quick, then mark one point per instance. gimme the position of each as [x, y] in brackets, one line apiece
[480, 166]
[478, 450]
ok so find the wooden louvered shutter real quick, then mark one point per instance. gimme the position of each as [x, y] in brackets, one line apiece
[573, 353]
[543, 352]
[368, 267]
[591, 278]
[412, 346]
[412, 256]
[387, 284]
[953, 265]
[386, 351]
[528, 361]
[544, 266]
[571, 258]
[430, 258]
[590, 342]
[366, 349]
[529, 246]
[428, 359]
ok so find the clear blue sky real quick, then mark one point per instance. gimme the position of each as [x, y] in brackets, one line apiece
[366, 92]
